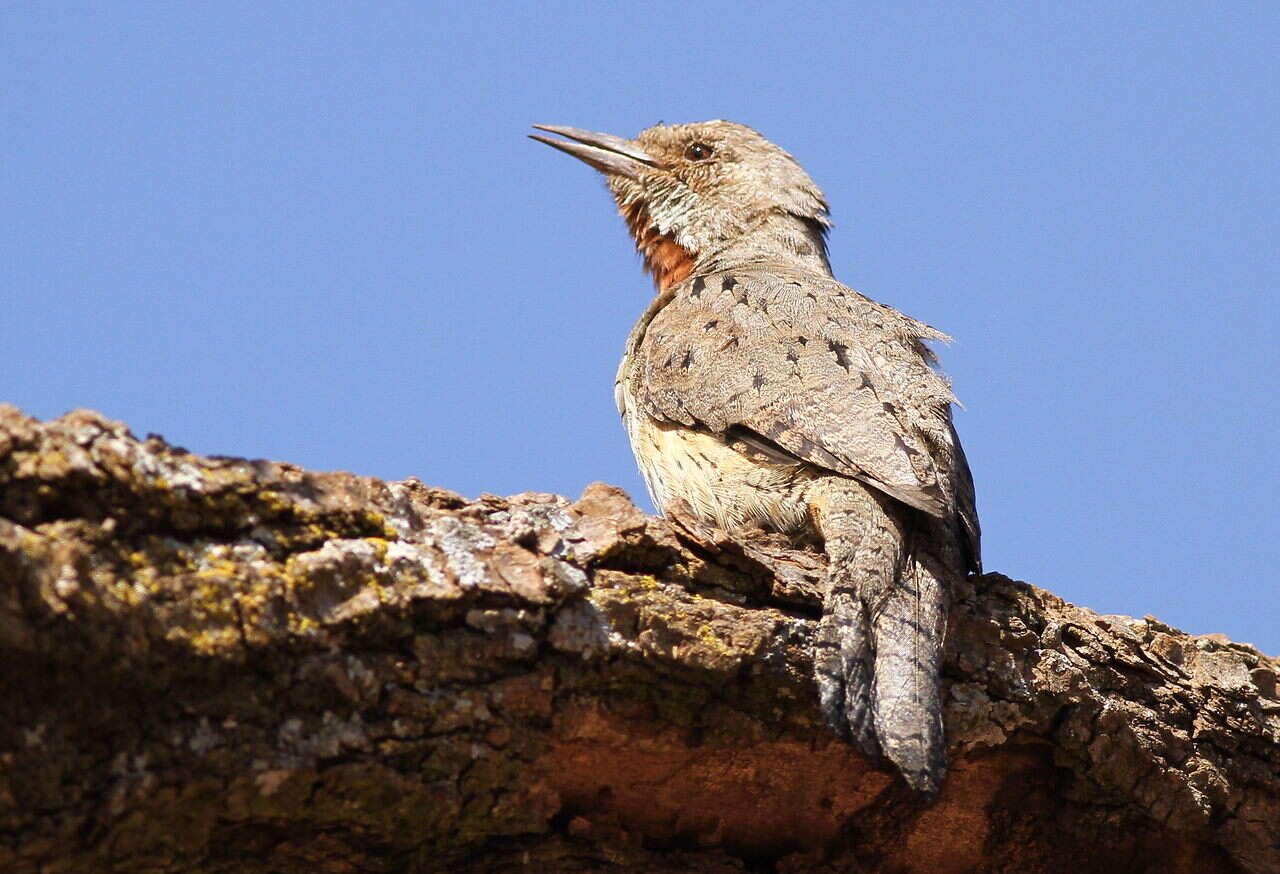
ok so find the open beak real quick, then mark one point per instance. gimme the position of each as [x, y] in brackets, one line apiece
[605, 152]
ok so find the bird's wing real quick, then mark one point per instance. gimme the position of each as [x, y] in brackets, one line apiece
[966, 505]
[804, 365]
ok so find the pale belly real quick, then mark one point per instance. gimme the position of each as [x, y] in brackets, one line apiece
[721, 485]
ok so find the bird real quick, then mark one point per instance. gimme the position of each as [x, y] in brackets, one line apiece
[764, 394]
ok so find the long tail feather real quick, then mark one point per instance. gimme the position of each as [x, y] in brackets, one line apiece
[880, 638]
[844, 662]
[908, 634]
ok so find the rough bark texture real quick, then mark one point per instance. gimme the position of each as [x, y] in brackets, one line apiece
[214, 664]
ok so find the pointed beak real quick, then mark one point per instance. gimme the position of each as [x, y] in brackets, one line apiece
[607, 153]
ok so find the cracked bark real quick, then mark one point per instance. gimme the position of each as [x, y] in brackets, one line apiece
[213, 664]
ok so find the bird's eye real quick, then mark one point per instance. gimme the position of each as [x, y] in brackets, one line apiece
[699, 152]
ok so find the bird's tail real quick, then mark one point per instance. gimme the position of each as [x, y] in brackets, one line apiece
[880, 639]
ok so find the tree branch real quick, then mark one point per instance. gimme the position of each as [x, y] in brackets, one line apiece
[214, 664]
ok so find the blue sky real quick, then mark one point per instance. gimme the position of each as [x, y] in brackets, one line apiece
[315, 232]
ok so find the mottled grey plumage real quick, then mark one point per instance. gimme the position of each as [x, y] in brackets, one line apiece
[759, 390]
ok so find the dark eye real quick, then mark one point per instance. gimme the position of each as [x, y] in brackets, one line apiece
[699, 152]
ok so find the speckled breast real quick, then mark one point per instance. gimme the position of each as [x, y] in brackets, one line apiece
[721, 485]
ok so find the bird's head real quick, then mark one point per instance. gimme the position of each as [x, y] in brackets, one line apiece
[690, 191]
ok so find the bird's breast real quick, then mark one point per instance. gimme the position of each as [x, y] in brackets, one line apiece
[721, 485]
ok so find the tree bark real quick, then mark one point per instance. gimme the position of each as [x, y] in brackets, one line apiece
[218, 665]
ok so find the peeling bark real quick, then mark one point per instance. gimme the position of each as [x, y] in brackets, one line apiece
[214, 664]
